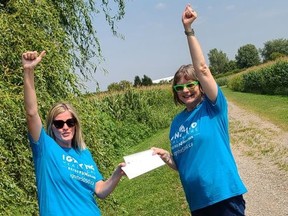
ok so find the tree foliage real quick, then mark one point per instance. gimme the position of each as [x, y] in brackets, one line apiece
[121, 86]
[218, 61]
[146, 81]
[76, 17]
[247, 56]
[137, 81]
[274, 48]
[230, 66]
[64, 29]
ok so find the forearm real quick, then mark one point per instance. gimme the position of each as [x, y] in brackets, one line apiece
[165, 156]
[30, 99]
[30, 103]
[104, 188]
[168, 159]
[196, 54]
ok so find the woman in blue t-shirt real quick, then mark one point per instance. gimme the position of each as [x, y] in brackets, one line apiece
[199, 137]
[66, 175]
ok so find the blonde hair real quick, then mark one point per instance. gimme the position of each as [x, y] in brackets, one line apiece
[77, 141]
[186, 71]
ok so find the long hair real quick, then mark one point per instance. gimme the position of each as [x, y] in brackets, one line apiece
[77, 141]
[186, 71]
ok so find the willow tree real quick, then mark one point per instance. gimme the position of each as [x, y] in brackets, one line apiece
[64, 29]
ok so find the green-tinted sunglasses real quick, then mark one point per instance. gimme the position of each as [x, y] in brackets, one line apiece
[190, 85]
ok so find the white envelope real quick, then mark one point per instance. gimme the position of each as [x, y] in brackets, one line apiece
[141, 162]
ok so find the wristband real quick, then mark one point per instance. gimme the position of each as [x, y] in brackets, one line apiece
[191, 33]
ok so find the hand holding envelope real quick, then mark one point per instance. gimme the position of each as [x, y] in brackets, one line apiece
[141, 162]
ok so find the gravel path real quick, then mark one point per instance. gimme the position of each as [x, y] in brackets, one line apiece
[260, 149]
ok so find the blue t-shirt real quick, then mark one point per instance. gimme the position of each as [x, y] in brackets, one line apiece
[200, 147]
[65, 178]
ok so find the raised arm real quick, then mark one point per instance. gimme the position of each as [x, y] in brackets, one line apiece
[202, 70]
[29, 61]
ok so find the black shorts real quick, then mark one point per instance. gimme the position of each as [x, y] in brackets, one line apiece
[234, 206]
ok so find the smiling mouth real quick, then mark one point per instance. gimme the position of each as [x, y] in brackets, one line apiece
[188, 96]
[66, 134]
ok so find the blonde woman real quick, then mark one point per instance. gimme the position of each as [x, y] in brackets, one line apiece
[66, 175]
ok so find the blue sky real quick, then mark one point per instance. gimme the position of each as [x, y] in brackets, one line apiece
[155, 44]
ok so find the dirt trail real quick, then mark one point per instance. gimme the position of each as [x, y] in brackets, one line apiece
[260, 148]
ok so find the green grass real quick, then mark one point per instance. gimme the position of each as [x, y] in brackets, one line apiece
[254, 141]
[272, 107]
[158, 192]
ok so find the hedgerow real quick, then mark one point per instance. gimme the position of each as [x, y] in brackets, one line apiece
[272, 78]
[111, 124]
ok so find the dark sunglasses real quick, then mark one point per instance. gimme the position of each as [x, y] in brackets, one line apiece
[60, 123]
[190, 85]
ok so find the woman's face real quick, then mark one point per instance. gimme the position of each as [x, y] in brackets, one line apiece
[63, 127]
[191, 94]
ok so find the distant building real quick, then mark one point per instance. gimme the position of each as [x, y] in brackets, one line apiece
[167, 79]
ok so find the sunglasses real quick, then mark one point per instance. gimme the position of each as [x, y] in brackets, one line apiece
[190, 85]
[60, 123]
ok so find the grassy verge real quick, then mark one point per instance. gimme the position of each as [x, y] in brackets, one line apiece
[251, 138]
[272, 107]
[158, 192]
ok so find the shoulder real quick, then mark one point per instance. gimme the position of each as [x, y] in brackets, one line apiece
[86, 152]
[43, 136]
[220, 98]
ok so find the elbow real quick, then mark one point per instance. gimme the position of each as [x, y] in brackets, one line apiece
[31, 116]
[100, 196]
[203, 68]
[30, 113]
[100, 190]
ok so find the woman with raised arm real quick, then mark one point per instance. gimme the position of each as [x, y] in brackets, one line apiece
[66, 175]
[199, 137]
